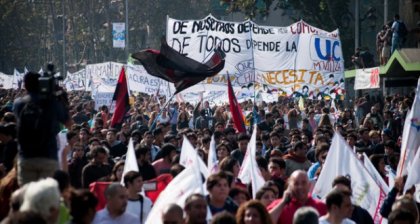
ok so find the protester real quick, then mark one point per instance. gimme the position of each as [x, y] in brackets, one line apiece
[115, 210]
[36, 131]
[172, 213]
[195, 209]
[296, 196]
[43, 197]
[218, 199]
[306, 215]
[253, 212]
[138, 205]
[97, 168]
[339, 208]
[82, 207]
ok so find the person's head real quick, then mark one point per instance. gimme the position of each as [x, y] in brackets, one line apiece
[223, 217]
[133, 181]
[111, 135]
[195, 208]
[99, 154]
[168, 151]
[321, 152]
[253, 212]
[222, 151]
[83, 206]
[342, 183]
[31, 82]
[239, 195]
[299, 184]
[230, 164]
[351, 139]
[266, 195]
[43, 197]
[306, 215]
[401, 216]
[397, 17]
[390, 147]
[243, 140]
[276, 167]
[219, 127]
[116, 198]
[407, 203]
[275, 139]
[148, 137]
[299, 149]
[375, 137]
[218, 186]
[78, 150]
[339, 203]
[172, 214]
[379, 163]
[142, 153]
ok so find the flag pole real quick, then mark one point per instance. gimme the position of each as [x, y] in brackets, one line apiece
[152, 127]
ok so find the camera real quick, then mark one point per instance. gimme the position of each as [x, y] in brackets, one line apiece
[48, 84]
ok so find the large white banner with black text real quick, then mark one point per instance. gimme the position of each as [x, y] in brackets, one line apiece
[296, 60]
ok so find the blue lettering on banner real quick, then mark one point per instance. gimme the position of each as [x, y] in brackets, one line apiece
[326, 49]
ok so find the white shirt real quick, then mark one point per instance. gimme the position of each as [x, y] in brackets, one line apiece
[134, 208]
[103, 217]
[323, 220]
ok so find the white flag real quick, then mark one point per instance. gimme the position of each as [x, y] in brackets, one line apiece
[182, 186]
[17, 79]
[413, 177]
[212, 158]
[410, 140]
[250, 172]
[189, 157]
[341, 160]
[130, 160]
[374, 173]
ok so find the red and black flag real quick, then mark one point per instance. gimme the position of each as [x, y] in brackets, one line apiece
[235, 109]
[122, 104]
[174, 67]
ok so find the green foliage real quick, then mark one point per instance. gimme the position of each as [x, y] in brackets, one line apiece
[32, 30]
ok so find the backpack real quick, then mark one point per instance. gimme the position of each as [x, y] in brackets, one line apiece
[34, 128]
[402, 30]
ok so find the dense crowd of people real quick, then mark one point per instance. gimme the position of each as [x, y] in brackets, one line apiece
[52, 186]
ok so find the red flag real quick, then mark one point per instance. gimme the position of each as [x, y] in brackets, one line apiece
[172, 66]
[235, 109]
[121, 97]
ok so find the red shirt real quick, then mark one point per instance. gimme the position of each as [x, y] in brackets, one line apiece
[286, 216]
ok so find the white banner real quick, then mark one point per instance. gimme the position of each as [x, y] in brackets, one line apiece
[6, 81]
[75, 81]
[140, 81]
[299, 59]
[118, 35]
[103, 76]
[367, 78]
